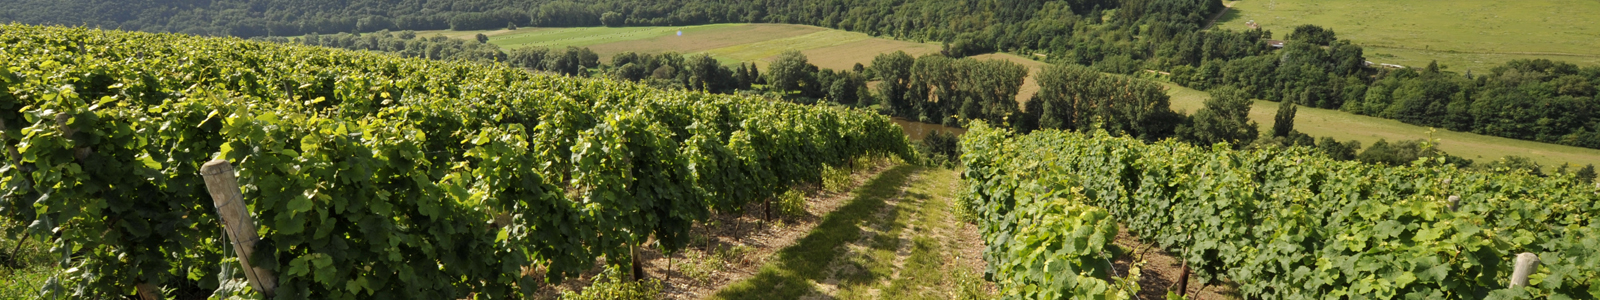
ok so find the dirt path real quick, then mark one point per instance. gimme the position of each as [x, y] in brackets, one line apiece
[1161, 271]
[741, 244]
[859, 250]
[902, 240]
[900, 234]
[731, 247]
[1226, 6]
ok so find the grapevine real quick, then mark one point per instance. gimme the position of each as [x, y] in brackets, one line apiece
[1294, 224]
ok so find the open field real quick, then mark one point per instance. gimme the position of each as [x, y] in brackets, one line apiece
[1345, 126]
[1462, 34]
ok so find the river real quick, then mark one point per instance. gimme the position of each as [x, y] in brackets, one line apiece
[918, 130]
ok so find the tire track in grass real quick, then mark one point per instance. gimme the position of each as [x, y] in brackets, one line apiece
[901, 238]
[940, 255]
[796, 269]
[874, 254]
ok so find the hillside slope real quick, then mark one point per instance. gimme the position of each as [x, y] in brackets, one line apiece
[373, 174]
[1464, 35]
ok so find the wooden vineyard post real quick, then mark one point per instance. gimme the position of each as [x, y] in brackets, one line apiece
[633, 260]
[147, 291]
[1526, 264]
[1183, 279]
[236, 220]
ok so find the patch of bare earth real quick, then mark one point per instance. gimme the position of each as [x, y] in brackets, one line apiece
[751, 236]
[967, 240]
[1161, 272]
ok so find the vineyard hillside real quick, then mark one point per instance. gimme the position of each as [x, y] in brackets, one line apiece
[370, 175]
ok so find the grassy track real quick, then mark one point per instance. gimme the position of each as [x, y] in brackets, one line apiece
[937, 266]
[893, 241]
[1346, 126]
[1462, 34]
[791, 273]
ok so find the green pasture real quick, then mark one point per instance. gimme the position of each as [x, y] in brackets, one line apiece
[1462, 34]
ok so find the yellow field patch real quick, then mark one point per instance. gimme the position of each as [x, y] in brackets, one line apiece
[846, 56]
[762, 52]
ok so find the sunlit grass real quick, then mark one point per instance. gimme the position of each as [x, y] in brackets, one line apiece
[1463, 34]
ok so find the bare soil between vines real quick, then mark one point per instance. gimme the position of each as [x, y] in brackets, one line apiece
[751, 237]
[1161, 271]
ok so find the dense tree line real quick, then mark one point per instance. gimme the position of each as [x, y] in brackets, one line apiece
[1078, 98]
[672, 70]
[405, 43]
[939, 89]
[1540, 100]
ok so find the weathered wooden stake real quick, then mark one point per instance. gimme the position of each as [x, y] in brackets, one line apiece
[236, 220]
[1183, 279]
[633, 261]
[1455, 202]
[1527, 263]
[147, 291]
